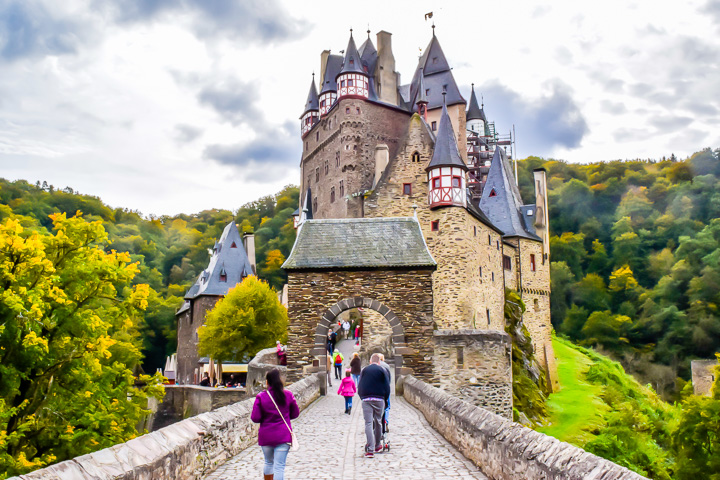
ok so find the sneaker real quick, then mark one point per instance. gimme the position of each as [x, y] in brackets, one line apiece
[369, 454]
[378, 449]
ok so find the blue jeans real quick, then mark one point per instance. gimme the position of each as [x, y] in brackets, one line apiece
[348, 403]
[356, 379]
[275, 460]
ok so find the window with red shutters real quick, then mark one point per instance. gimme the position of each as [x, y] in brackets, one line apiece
[407, 189]
[456, 182]
[532, 262]
[435, 225]
[436, 182]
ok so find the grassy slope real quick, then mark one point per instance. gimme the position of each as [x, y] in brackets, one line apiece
[577, 406]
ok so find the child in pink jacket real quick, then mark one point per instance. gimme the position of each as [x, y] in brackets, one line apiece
[347, 389]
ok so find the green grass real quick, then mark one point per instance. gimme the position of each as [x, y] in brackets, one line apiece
[577, 407]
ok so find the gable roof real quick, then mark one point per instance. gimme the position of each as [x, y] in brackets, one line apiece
[359, 243]
[501, 200]
[446, 153]
[332, 69]
[230, 261]
[475, 112]
[312, 104]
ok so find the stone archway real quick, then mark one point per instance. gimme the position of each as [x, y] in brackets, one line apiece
[329, 318]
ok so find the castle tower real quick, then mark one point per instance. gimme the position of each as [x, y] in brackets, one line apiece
[352, 81]
[447, 170]
[311, 114]
[330, 67]
[475, 116]
[421, 100]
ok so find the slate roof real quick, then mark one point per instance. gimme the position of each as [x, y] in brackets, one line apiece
[228, 260]
[312, 103]
[475, 112]
[332, 69]
[352, 62]
[438, 77]
[421, 96]
[503, 208]
[307, 206]
[446, 153]
[359, 243]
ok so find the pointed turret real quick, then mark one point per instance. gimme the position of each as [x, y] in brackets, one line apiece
[446, 171]
[438, 77]
[475, 115]
[501, 200]
[328, 91]
[352, 81]
[311, 114]
[421, 99]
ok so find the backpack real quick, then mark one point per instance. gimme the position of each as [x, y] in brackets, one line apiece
[338, 360]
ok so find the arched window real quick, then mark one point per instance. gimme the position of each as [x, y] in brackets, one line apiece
[415, 157]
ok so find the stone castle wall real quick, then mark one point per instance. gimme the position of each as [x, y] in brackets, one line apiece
[703, 376]
[468, 283]
[502, 449]
[346, 141]
[476, 366]
[187, 327]
[404, 295]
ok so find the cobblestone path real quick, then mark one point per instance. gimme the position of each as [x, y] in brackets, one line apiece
[332, 448]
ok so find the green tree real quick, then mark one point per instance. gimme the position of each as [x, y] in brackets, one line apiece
[68, 344]
[248, 319]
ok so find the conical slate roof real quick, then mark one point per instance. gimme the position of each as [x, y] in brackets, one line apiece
[334, 63]
[421, 96]
[501, 200]
[228, 266]
[352, 62]
[438, 77]
[446, 153]
[307, 213]
[312, 104]
[475, 112]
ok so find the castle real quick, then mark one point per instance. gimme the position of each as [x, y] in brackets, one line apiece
[376, 148]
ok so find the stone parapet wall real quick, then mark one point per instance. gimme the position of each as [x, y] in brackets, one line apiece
[263, 362]
[187, 450]
[476, 366]
[502, 449]
[184, 401]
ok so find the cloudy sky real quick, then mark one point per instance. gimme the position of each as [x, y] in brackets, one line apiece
[169, 106]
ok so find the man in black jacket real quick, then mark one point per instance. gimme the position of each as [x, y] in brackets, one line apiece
[374, 390]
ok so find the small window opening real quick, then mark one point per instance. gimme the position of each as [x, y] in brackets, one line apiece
[332, 195]
[536, 304]
[489, 240]
[487, 310]
[507, 262]
[493, 193]
[434, 126]
[350, 83]
[407, 189]
[317, 136]
[434, 60]
[475, 231]
[436, 182]
[532, 262]
[342, 83]
[435, 225]
[456, 182]
[492, 276]
[233, 245]
[460, 357]
[347, 109]
[358, 111]
[342, 188]
[415, 157]
[427, 92]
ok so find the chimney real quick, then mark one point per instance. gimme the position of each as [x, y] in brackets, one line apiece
[542, 227]
[249, 243]
[386, 79]
[323, 65]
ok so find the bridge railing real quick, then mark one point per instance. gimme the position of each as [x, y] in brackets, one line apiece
[502, 449]
[186, 450]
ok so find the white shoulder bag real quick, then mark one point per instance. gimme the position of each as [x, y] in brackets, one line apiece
[294, 444]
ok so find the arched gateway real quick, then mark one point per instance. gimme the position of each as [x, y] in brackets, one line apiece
[380, 264]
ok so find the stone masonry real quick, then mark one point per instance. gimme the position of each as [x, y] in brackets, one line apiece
[403, 296]
[703, 376]
[187, 327]
[476, 366]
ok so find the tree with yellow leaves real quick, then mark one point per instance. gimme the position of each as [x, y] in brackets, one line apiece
[68, 344]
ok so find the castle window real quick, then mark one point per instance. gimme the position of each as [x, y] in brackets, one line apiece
[489, 240]
[507, 262]
[309, 179]
[436, 182]
[306, 146]
[332, 195]
[456, 182]
[480, 274]
[493, 193]
[427, 91]
[434, 60]
[350, 83]
[337, 159]
[342, 188]
[532, 262]
[355, 148]
[492, 276]
[415, 157]
[487, 310]
[460, 357]
[233, 245]
[315, 204]
[347, 109]
[475, 231]
[498, 244]
[322, 103]
[435, 225]
[327, 167]
[317, 174]
[407, 189]
[536, 304]
[358, 110]
[223, 277]
[342, 83]
[434, 126]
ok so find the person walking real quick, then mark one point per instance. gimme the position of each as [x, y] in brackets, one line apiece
[355, 368]
[273, 410]
[329, 368]
[374, 390]
[346, 329]
[330, 345]
[386, 367]
[347, 389]
[338, 362]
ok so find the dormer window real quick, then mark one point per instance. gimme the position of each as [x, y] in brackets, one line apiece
[233, 245]
[434, 126]
[434, 60]
[493, 193]
[427, 92]
[223, 275]
[352, 62]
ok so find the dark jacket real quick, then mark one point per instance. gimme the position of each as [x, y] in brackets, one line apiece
[272, 428]
[373, 382]
[356, 366]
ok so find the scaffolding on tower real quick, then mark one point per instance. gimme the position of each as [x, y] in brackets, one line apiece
[480, 149]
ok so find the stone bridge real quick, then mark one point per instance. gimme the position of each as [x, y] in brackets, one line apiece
[433, 435]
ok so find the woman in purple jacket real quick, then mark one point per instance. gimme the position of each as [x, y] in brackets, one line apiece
[274, 437]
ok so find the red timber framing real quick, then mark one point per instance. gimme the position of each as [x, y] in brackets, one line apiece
[352, 85]
[447, 187]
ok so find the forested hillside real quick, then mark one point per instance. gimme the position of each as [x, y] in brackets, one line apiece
[171, 251]
[636, 260]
